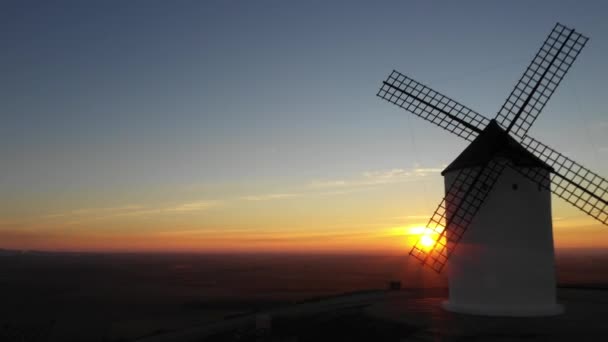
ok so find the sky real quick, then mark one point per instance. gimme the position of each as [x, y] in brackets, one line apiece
[255, 126]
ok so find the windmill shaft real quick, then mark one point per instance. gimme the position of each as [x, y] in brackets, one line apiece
[466, 124]
[523, 106]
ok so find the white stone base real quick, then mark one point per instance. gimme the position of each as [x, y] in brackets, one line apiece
[537, 311]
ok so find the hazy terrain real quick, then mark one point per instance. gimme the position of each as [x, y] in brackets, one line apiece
[116, 296]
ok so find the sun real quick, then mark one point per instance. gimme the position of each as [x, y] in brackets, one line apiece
[427, 241]
[426, 237]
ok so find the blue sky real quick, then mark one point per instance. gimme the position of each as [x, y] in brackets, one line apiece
[116, 101]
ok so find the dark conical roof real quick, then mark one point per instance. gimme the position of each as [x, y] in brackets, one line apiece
[493, 142]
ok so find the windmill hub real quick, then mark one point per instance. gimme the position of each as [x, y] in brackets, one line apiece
[494, 142]
[498, 190]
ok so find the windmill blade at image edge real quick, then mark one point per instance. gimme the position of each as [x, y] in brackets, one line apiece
[576, 184]
[539, 81]
[455, 213]
[432, 106]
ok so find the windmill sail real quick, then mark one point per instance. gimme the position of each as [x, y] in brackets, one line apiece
[540, 80]
[432, 106]
[455, 213]
[576, 184]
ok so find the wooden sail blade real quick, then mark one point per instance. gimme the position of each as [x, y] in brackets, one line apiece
[539, 81]
[432, 106]
[571, 181]
[455, 213]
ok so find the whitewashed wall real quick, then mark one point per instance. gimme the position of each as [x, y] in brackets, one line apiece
[504, 264]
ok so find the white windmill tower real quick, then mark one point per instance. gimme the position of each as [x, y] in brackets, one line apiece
[498, 190]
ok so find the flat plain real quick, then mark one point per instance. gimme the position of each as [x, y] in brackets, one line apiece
[116, 297]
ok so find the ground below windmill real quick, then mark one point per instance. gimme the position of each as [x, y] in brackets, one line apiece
[113, 297]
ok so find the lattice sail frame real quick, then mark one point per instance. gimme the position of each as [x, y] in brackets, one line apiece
[539, 81]
[455, 213]
[576, 184]
[432, 106]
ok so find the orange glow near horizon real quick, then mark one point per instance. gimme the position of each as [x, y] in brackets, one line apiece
[273, 224]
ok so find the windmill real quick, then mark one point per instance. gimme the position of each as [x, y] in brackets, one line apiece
[498, 191]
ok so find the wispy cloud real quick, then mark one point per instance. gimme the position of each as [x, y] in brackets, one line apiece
[328, 184]
[181, 208]
[194, 206]
[377, 177]
[423, 171]
[411, 217]
[268, 197]
[333, 187]
[384, 176]
[93, 211]
[317, 190]
[79, 216]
